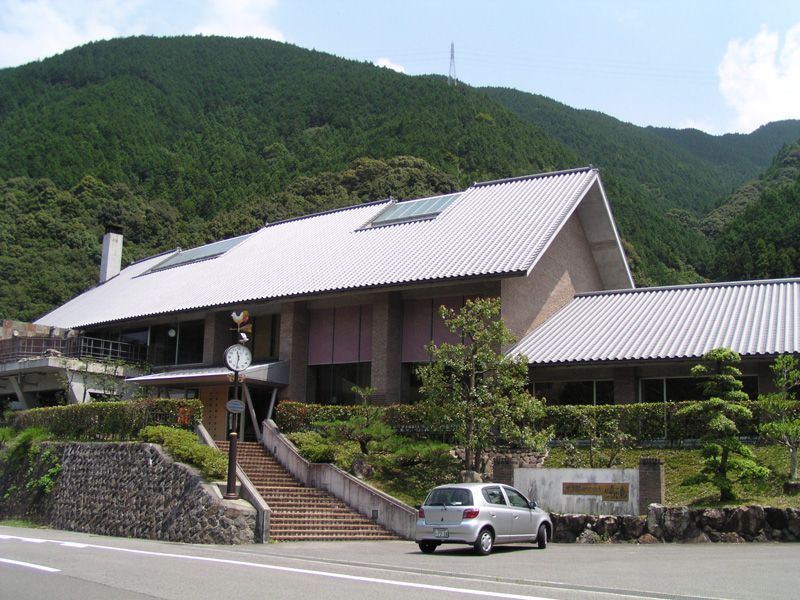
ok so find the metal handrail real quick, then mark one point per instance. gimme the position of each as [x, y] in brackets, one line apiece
[17, 348]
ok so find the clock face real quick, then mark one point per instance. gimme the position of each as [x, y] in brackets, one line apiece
[238, 357]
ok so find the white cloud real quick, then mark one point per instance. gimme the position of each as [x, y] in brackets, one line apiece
[760, 80]
[240, 18]
[385, 62]
[34, 29]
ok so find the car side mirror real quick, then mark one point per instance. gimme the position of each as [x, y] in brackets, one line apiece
[533, 504]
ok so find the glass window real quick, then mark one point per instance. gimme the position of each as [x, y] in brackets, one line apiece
[333, 384]
[575, 392]
[176, 344]
[190, 342]
[516, 499]
[684, 389]
[494, 495]
[449, 497]
[163, 344]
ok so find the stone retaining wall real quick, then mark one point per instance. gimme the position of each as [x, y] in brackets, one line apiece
[682, 524]
[124, 490]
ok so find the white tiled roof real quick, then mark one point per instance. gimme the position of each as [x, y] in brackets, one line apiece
[496, 228]
[753, 318]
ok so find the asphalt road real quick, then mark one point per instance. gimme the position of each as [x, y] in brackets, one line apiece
[63, 565]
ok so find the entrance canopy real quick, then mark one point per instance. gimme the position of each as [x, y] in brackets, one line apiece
[274, 374]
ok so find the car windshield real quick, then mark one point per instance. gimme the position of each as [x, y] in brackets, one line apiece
[449, 497]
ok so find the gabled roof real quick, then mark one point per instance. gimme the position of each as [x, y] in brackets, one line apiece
[754, 318]
[498, 228]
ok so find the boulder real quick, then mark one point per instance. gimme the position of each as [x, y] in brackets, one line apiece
[791, 488]
[775, 517]
[606, 526]
[676, 521]
[588, 537]
[712, 518]
[655, 519]
[648, 539]
[633, 527]
[695, 536]
[731, 538]
[361, 468]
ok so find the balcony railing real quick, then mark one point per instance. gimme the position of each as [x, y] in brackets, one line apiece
[18, 348]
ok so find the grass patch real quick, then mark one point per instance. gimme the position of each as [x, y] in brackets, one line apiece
[680, 463]
[21, 523]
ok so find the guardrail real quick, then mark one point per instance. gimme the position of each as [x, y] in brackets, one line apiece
[17, 348]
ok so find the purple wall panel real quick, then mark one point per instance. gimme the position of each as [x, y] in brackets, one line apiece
[346, 335]
[440, 332]
[320, 337]
[416, 329]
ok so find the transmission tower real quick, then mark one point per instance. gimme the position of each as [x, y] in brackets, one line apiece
[451, 78]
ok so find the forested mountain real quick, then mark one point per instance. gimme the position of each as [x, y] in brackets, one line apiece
[185, 140]
[685, 169]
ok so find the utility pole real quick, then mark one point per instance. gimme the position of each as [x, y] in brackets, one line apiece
[451, 78]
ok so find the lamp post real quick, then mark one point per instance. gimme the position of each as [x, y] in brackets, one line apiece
[237, 359]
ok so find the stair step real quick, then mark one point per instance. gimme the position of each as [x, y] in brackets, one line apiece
[301, 513]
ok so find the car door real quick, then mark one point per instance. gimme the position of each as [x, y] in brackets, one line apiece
[499, 513]
[524, 522]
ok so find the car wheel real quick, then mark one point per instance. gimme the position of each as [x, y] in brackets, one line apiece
[541, 537]
[427, 546]
[485, 542]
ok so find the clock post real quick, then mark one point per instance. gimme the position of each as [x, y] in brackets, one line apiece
[237, 359]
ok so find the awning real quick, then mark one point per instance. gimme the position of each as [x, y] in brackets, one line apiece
[273, 374]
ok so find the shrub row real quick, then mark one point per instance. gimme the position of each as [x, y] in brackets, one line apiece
[184, 447]
[110, 420]
[645, 422]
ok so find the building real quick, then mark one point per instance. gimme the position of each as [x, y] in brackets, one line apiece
[639, 345]
[349, 297]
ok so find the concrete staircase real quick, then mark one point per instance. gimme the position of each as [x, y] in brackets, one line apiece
[301, 513]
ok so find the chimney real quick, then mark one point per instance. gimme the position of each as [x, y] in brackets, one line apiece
[111, 261]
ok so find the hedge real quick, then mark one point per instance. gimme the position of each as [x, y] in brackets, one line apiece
[645, 422]
[110, 420]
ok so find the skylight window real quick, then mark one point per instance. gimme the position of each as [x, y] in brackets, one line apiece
[192, 255]
[414, 210]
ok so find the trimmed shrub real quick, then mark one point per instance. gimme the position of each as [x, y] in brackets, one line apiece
[110, 420]
[645, 422]
[184, 447]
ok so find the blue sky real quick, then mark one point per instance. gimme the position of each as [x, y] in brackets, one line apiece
[717, 65]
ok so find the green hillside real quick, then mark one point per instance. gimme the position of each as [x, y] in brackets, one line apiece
[685, 169]
[206, 122]
[184, 140]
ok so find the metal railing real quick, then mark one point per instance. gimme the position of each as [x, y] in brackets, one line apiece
[17, 348]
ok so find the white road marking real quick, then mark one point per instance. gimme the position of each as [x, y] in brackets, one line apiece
[439, 588]
[29, 565]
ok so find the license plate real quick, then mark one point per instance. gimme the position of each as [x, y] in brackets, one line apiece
[441, 533]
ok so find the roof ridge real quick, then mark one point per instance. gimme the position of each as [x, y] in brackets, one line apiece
[328, 212]
[535, 176]
[691, 286]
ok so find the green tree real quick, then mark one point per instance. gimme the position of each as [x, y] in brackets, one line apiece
[475, 390]
[724, 455]
[782, 426]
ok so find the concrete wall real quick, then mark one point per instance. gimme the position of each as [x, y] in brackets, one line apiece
[545, 486]
[370, 502]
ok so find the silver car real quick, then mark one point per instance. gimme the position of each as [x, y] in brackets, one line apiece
[480, 514]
